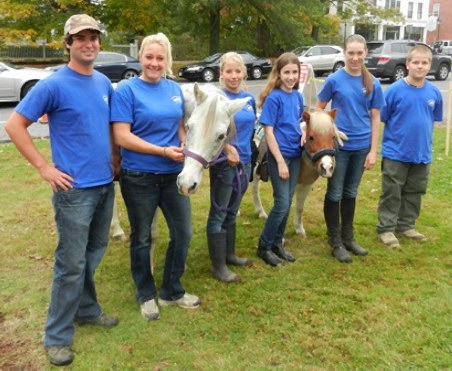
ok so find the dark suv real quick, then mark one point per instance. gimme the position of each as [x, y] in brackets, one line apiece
[387, 59]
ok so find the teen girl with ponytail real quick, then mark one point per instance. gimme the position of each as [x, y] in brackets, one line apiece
[358, 98]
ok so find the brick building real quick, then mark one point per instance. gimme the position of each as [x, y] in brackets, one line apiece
[440, 12]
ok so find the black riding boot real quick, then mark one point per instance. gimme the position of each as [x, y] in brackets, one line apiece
[282, 253]
[265, 253]
[231, 258]
[217, 253]
[331, 213]
[347, 216]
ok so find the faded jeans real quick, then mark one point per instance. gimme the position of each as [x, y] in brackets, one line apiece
[83, 218]
[283, 191]
[143, 193]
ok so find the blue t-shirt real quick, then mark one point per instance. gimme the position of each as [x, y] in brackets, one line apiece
[154, 111]
[347, 94]
[244, 123]
[409, 116]
[282, 111]
[77, 107]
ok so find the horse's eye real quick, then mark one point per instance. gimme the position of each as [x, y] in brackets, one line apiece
[220, 137]
[311, 138]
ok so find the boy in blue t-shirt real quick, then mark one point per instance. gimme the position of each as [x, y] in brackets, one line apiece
[412, 106]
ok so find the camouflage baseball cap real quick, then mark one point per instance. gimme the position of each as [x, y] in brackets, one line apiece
[80, 22]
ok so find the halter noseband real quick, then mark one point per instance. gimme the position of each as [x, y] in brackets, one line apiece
[323, 152]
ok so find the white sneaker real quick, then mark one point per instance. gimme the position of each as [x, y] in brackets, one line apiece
[187, 301]
[414, 235]
[150, 310]
[389, 239]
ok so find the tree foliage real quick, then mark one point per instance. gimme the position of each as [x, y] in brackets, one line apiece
[203, 26]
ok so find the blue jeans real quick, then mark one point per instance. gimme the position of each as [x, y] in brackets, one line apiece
[283, 191]
[226, 196]
[347, 175]
[142, 193]
[83, 218]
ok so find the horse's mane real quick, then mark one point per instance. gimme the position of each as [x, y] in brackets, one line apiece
[212, 111]
[321, 122]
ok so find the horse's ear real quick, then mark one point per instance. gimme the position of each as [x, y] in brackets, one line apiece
[332, 113]
[236, 105]
[200, 95]
[306, 116]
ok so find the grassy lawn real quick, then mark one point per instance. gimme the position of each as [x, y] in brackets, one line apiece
[389, 310]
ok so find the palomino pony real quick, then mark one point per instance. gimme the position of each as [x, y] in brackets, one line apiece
[322, 137]
[209, 124]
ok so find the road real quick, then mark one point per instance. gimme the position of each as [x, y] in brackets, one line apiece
[254, 86]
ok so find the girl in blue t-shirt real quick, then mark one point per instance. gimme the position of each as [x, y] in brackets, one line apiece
[223, 183]
[358, 98]
[282, 107]
[147, 113]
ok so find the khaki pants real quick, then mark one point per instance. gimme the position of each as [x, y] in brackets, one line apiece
[403, 185]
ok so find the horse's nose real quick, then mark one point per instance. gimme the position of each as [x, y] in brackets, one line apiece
[193, 187]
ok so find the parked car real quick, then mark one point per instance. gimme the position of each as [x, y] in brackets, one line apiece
[16, 82]
[209, 69]
[387, 59]
[115, 66]
[443, 46]
[323, 58]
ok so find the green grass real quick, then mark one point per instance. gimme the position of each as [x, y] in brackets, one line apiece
[389, 310]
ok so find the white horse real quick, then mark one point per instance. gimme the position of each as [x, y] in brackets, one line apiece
[317, 160]
[209, 124]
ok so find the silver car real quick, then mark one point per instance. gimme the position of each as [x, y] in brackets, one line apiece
[323, 58]
[16, 82]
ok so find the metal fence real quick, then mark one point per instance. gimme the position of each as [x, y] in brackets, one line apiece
[45, 52]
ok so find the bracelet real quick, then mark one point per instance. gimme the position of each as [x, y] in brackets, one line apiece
[164, 151]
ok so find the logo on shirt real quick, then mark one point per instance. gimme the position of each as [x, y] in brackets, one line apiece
[431, 103]
[249, 107]
[105, 98]
[176, 99]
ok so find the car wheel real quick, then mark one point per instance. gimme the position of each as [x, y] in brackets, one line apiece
[443, 72]
[338, 66]
[256, 73]
[399, 73]
[128, 74]
[208, 75]
[26, 88]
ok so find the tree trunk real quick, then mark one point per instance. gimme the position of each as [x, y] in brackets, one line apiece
[214, 41]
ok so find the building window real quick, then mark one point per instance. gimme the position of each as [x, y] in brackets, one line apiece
[435, 10]
[410, 10]
[392, 4]
[419, 11]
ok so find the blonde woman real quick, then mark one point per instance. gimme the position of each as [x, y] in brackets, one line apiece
[146, 115]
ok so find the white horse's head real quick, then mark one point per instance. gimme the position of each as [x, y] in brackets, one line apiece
[209, 123]
[322, 137]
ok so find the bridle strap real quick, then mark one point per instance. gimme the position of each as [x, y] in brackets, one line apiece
[205, 164]
[323, 152]
[236, 185]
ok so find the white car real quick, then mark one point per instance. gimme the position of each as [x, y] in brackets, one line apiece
[16, 82]
[323, 58]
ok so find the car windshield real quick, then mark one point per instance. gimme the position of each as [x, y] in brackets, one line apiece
[212, 58]
[11, 65]
[300, 50]
[375, 48]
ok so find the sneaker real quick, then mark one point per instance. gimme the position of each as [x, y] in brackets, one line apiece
[150, 310]
[389, 240]
[414, 235]
[60, 356]
[104, 320]
[187, 301]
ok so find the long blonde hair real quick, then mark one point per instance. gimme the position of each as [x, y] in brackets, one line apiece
[368, 79]
[162, 40]
[274, 79]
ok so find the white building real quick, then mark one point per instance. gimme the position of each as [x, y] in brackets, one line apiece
[415, 12]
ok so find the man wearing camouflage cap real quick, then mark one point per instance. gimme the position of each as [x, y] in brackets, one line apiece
[76, 99]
